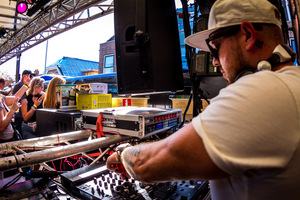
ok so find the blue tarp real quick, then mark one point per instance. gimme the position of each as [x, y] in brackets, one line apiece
[74, 66]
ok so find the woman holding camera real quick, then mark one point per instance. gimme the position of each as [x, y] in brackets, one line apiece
[6, 114]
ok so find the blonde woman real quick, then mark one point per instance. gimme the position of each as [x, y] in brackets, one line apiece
[34, 100]
[50, 100]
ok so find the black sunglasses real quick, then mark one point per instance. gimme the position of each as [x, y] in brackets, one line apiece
[221, 33]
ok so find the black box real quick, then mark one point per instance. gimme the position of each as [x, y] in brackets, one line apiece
[51, 121]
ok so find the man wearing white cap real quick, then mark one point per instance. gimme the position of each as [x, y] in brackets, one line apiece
[247, 141]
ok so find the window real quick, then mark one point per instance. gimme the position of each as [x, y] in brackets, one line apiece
[108, 64]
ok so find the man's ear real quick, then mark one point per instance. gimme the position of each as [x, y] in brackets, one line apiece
[250, 35]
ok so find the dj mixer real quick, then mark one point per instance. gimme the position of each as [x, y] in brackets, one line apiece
[96, 182]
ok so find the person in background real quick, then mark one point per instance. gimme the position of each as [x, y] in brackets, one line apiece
[247, 141]
[50, 99]
[34, 100]
[2, 86]
[6, 114]
[27, 76]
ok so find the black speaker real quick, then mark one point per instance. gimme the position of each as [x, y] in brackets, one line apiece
[147, 46]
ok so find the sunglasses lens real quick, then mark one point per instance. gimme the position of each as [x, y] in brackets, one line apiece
[214, 53]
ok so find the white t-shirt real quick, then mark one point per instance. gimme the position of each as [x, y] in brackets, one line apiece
[251, 130]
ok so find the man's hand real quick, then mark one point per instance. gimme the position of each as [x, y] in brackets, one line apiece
[114, 164]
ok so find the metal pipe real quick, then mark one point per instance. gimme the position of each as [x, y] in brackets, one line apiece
[100, 156]
[42, 164]
[19, 150]
[47, 166]
[36, 148]
[47, 140]
[87, 155]
[57, 153]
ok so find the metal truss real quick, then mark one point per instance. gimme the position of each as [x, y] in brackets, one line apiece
[38, 151]
[53, 20]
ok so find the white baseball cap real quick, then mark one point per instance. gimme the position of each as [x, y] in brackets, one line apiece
[225, 13]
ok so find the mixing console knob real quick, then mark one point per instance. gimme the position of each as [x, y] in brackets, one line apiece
[133, 188]
[126, 192]
[100, 183]
[120, 181]
[119, 188]
[191, 182]
[126, 184]
[95, 180]
[93, 190]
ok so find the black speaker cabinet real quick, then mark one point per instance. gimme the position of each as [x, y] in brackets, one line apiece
[147, 46]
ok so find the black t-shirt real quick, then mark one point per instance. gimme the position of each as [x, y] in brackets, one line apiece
[17, 87]
[30, 104]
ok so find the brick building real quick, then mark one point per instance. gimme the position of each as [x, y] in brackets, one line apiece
[107, 61]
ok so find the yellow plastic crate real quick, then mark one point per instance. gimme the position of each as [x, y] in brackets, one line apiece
[182, 103]
[93, 101]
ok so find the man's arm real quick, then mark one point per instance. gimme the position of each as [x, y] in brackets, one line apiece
[16, 88]
[181, 156]
[10, 99]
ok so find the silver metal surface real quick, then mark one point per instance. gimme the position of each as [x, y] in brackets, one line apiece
[41, 142]
[57, 153]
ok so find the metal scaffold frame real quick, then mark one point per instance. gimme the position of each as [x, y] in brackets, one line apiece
[40, 150]
[55, 19]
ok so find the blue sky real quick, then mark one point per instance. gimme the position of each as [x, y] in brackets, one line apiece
[81, 42]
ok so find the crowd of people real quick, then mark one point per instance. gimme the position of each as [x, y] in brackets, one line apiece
[18, 105]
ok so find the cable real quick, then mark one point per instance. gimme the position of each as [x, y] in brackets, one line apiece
[186, 109]
[10, 183]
